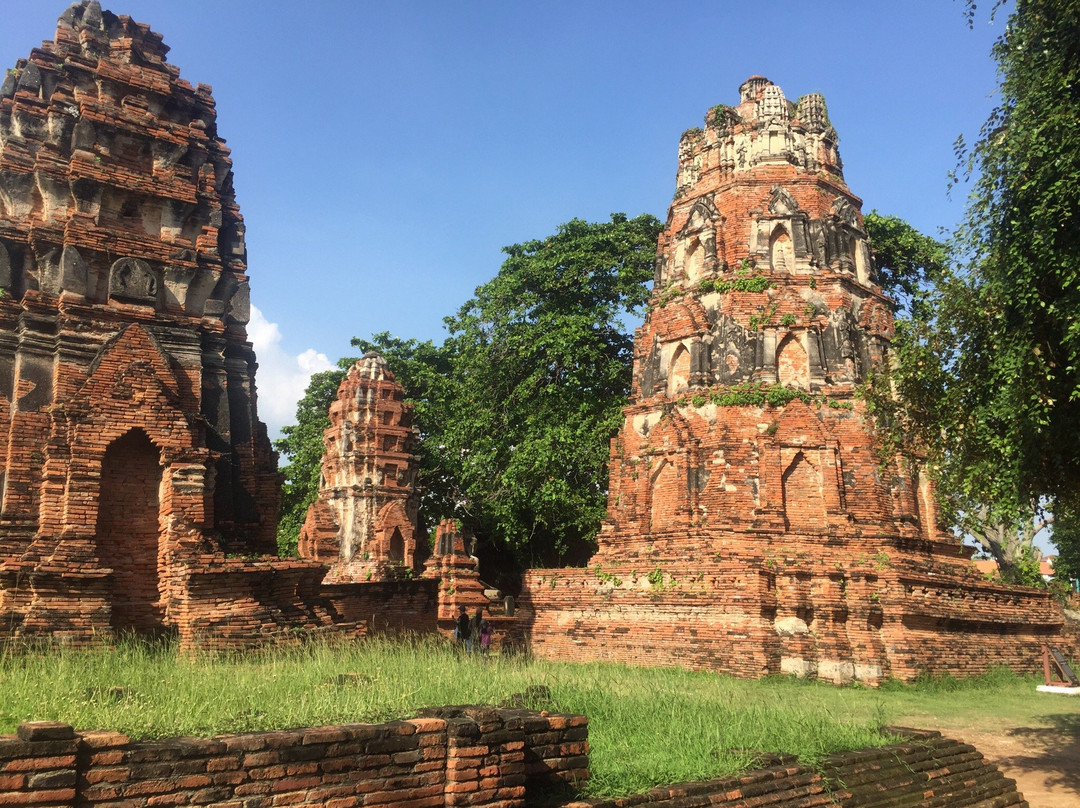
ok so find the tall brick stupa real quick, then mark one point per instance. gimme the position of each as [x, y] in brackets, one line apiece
[363, 523]
[751, 527]
[131, 446]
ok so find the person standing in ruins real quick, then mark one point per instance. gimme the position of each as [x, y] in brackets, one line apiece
[461, 631]
[475, 627]
[485, 636]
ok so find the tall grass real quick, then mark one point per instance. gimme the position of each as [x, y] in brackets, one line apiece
[647, 726]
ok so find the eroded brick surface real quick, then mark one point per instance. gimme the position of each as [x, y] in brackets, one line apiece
[139, 491]
[473, 756]
[364, 521]
[751, 527]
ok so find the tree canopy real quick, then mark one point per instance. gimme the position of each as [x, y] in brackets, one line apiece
[1010, 320]
[518, 406]
[908, 263]
[542, 364]
[986, 370]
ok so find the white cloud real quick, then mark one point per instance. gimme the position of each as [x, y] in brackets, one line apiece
[281, 378]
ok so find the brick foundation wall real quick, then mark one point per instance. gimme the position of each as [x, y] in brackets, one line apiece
[239, 603]
[454, 756]
[464, 756]
[823, 613]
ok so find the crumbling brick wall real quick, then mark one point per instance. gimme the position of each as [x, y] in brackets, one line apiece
[456, 756]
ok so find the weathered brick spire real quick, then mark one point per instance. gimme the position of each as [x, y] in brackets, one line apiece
[364, 521]
[751, 526]
[764, 317]
[131, 442]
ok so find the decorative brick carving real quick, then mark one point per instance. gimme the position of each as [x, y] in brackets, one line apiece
[750, 526]
[132, 451]
[364, 521]
[138, 489]
[457, 573]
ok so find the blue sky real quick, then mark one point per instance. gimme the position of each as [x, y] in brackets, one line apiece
[385, 152]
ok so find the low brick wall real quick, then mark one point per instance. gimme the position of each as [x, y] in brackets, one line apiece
[463, 756]
[239, 603]
[455, 756]
[925, 770]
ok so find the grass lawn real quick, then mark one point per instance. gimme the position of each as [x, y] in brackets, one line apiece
[647, 726]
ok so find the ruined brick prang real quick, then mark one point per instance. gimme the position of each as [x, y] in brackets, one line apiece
[751, 527]
[364, 521]
[131, 446]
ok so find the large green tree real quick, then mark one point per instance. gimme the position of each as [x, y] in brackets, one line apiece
[1014, 329]
[908, 262]
[989, 381]
[913, 269]
[542, 369]
[518, 406]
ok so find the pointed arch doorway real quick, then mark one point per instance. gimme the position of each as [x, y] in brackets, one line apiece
[129, 532]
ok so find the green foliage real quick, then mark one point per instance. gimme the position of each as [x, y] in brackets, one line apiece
[988, 371]
[1023, 287]
[764, 315]
[1067, 538]
[718, 115]
[302, 444]
[756, 394]
[542, 365]
[517, 408]
[605, 577]
[741, 283]
[908, 262]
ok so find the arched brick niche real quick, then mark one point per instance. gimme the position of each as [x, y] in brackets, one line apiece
[129, 531]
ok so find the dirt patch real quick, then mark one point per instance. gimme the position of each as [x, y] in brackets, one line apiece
[1044, 761]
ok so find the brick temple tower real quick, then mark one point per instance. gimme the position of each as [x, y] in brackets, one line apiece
[131, 444]
[364, 521]
[765, 316]
[751, 527]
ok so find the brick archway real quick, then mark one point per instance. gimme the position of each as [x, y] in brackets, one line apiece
[803, 500]
[129, 532]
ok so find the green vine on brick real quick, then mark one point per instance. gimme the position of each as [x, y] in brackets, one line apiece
[668, 294]
[718, 115]
[606, 577]
[758, 394]
[743, 283]
[758, 321]
[832, 403]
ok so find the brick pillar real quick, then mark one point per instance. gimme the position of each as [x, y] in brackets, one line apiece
[485, 757]
[37, 766]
